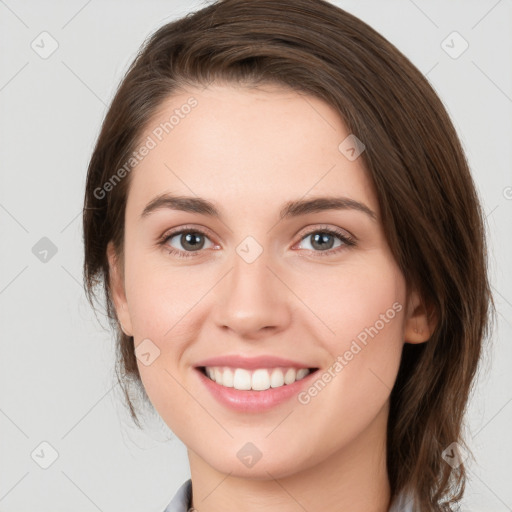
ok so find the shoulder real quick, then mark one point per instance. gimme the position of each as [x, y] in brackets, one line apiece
[181, 500]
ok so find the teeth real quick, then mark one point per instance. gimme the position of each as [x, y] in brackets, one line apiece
[241, 380]
[289, 376]
[302, 373]
[228, 378]
[277, 378]
[257, 380]
[260, 380]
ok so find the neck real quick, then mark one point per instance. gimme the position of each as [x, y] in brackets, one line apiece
[352, 479]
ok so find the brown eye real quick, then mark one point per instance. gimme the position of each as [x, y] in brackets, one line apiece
[186, 241]
[327, 240]
[322, 241]
[191, 241]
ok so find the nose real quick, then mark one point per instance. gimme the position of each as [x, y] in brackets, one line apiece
[252, 301]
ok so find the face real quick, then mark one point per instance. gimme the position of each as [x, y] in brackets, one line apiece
[247, 288]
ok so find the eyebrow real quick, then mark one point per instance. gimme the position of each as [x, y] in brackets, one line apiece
[290, 209]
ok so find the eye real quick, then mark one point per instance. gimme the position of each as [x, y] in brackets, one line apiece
[190, 242]
[184, 241]
[324, 240]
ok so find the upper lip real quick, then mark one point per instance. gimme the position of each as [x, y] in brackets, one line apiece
[252, 363]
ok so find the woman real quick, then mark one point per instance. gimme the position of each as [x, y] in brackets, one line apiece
[293, 255]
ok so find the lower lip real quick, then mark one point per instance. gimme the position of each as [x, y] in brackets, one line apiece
[253, 401]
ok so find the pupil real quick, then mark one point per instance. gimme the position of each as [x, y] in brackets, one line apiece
[192, 240]
[320, 241]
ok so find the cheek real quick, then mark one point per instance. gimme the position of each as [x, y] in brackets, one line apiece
[160, 296]
[351, 298]
[362, 309]
[163, 303]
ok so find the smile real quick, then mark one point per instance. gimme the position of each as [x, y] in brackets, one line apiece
[259, 379]
[254, 390]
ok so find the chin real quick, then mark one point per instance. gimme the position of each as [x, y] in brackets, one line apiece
[249, 462]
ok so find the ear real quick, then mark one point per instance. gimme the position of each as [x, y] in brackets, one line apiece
[420, 320]
[118, 290]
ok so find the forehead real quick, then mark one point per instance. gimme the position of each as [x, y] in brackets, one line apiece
[246, 147]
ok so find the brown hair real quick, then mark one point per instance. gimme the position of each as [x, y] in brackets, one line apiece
[430, 210]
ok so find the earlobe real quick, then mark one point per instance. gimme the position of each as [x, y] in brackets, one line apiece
[118, 291]
[419, 322]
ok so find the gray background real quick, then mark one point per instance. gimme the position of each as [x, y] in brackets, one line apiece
[56, 368]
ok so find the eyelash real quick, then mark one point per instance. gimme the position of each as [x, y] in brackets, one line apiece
[348, 241]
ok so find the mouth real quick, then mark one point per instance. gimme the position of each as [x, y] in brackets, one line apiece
[253, 384]
[257, 389]
[259, 379]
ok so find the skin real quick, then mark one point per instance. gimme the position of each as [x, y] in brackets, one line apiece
[250, 150]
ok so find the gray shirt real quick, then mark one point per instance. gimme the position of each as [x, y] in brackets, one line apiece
[182, 501]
